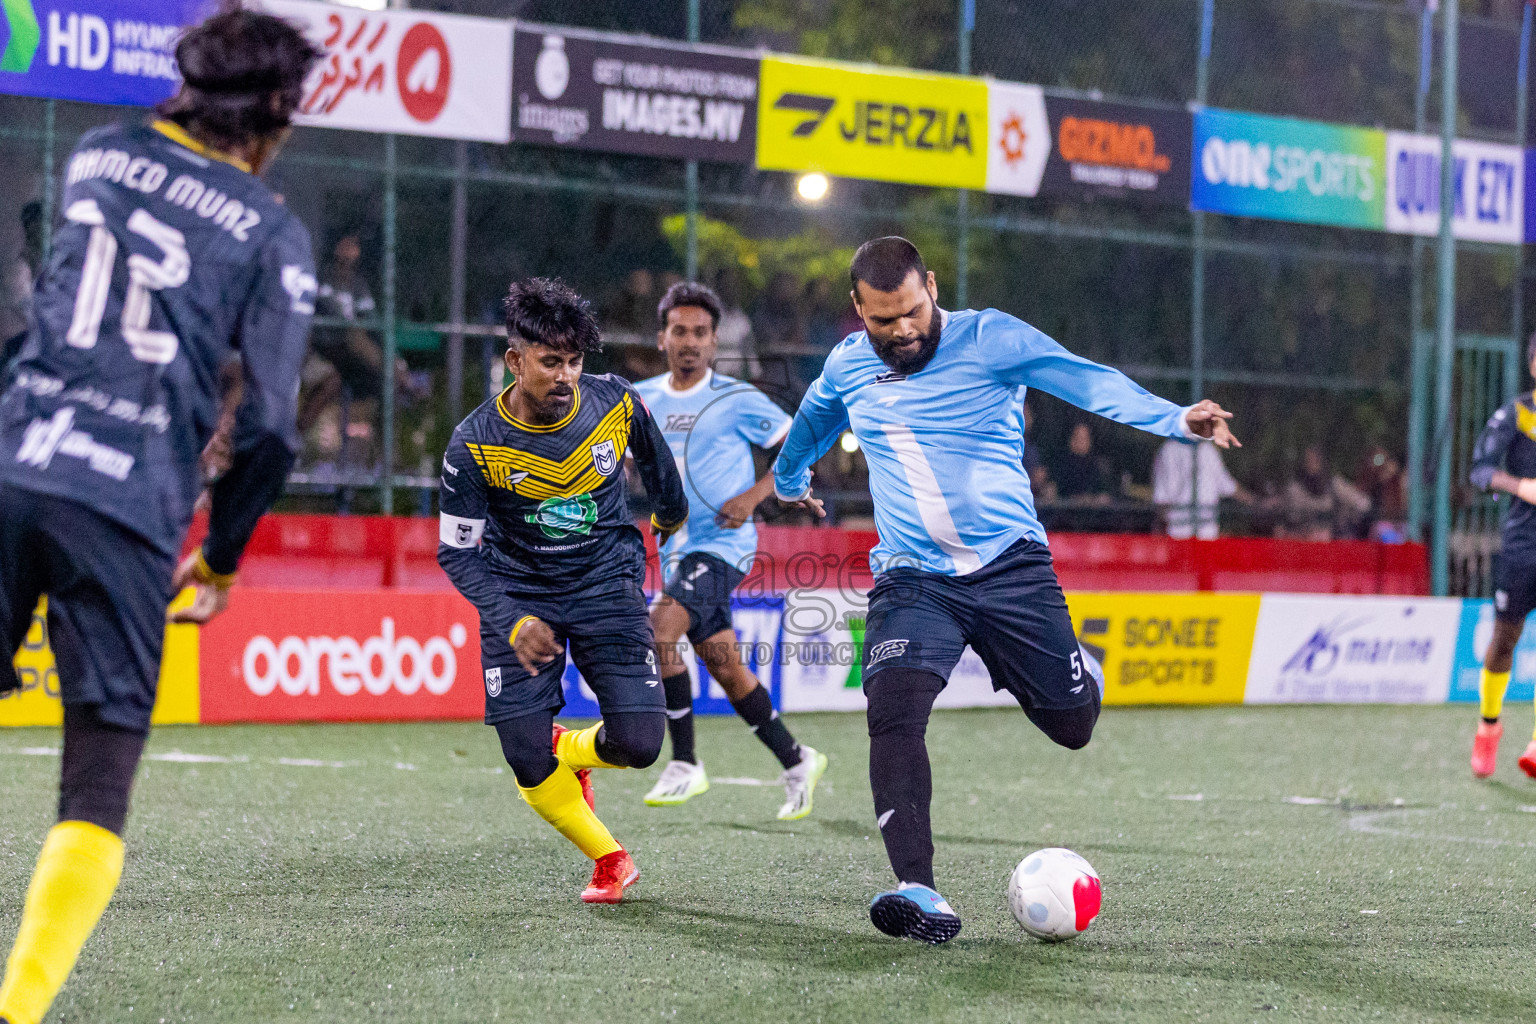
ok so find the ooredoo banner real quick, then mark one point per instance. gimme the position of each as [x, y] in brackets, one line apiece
[1281, 168]
[281, 656]
[1117, 150]
[587, 90]
[408, 72]
[95, 51]
[1322, 649]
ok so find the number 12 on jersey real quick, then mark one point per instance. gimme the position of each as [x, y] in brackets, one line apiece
[144, 276]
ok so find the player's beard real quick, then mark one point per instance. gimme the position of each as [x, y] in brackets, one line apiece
[927, 345]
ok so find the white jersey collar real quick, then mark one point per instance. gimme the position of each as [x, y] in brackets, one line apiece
[704, 382]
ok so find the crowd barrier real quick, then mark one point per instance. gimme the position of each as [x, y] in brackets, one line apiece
[290, 655]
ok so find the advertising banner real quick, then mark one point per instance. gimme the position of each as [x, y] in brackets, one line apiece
[860, 122]
[587, 90]
[408, 72]
[37, 702]
[1119, 151]
[371, 655]
[1489, 182]
[95, 51]
[1168, 648]
[1472, 644]
[1019, 138]
[1279, 168]
[1323, 649]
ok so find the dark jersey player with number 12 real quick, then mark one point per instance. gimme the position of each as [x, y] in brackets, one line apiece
[173, 259]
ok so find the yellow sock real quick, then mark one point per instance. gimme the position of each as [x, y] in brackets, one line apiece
[578, 749]
[75, 877]
[1491, 687]
[558, 801]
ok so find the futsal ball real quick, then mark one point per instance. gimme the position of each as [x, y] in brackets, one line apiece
[1054, 894]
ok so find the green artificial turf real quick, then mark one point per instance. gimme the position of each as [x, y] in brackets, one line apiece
[1259, 864]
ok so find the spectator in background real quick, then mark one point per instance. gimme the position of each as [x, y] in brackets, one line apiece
[776, 326]
[818, 329]
[1382, 480]
[736, 355]
[1040, 481]
[16, 288]
[1079, 472]
[633, 310]
[1319, 504]
[1179, 473]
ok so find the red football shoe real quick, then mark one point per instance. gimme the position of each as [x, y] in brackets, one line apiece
[611, 875]
[1485, 749]
[583, 775]
[1527, 760]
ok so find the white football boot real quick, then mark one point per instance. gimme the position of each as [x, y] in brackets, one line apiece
[800, 783]
[679, 783]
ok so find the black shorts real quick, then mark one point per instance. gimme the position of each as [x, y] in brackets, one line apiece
[1514, 590]
[703, 585]
[608, 630]
[1012, 614]
[107, 591]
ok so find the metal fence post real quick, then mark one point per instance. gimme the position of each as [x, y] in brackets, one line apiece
[387, 406]
[691, 176]
[1418, 400]
[457, 243]
[1197, 268]
[50, 200]
[963, 196]
[1446, 306]
[1517, 302]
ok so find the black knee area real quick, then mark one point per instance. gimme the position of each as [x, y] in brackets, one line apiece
[900, 700]
[1071, 728]
[632, 739]
[98, 766]
[527, 742]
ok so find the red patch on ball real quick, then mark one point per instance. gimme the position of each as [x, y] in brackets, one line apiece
[1086, 900]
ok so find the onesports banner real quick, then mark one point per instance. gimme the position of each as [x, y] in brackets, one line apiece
[1488, 180]
[94, 51]
[591, 90]
[408, 72]
[858, 121]
[1280, 168]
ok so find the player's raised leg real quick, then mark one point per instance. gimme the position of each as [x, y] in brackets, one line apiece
[1492, 683]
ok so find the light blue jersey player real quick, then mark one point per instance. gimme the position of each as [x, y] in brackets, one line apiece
[935, 400]
[711, 422]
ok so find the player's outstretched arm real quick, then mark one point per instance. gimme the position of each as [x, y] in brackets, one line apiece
[1208, 420]
[658, 471]
[460, 527]
[273, 339]
[1488, 473]
[822, 416]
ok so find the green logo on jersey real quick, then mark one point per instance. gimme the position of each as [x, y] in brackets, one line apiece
[22, 46]
[561, 517]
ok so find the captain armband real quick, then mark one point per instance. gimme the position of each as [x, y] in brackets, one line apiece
[459, 533]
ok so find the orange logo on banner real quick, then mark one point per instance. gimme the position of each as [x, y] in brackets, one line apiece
[1090, 141]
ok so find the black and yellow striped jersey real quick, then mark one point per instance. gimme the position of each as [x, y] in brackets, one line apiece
[1508, 442]
[545, 505]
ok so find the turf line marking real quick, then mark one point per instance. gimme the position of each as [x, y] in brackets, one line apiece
[181, 757]
[1308, 801]
[1195, 797]
[1366, 823]
[732, 780]
[309, 762]
[39, 751]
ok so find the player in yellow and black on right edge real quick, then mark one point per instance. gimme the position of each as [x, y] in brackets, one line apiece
[1505, 460]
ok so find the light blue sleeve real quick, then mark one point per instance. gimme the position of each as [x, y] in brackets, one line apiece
[760, 420]
[818, 422]
[1019, 354]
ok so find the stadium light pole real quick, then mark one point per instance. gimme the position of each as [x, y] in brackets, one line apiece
[963, 196]
[387, 405]
[1445, 312]
[457, 243]
[691, 176]
[1418, 401]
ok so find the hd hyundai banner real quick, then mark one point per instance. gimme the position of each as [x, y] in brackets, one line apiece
[408, 72]
[588, 90]
[95, 51]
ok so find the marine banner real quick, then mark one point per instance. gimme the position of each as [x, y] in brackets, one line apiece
[589, 90]
[859, 121]
[95, 51]
[1119, 151]
[1280, 168]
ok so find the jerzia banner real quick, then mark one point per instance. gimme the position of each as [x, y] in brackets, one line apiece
[620, 95]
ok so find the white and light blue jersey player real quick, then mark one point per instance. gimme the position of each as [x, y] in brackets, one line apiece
[935, 400]
[712, 422]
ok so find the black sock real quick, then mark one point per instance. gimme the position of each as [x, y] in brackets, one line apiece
[756, 709]
[679, 691]
[900, 777]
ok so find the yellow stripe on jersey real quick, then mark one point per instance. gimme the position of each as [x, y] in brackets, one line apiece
[1525, 420]
[537, 478]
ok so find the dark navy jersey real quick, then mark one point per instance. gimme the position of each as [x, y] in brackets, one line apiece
[171, 259]
[543, 509]
[1508, 442]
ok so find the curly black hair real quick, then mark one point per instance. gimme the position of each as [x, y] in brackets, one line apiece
[547, 311]
[690, 293]
[243, 77]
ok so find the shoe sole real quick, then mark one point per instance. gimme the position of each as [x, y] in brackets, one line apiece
[810, 791]
[631, 880]
[674, 801]
[896, 915]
